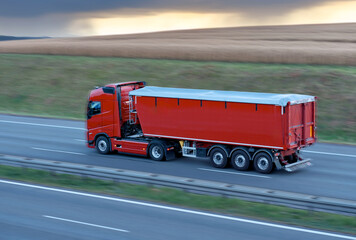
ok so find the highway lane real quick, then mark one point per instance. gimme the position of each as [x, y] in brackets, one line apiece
[333, 173]
[51, 213]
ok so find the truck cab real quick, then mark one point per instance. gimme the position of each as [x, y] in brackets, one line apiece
[109, 116]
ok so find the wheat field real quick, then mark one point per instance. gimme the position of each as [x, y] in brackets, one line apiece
[333, 44]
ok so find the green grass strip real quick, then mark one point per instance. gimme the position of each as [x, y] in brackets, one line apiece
[223, 205]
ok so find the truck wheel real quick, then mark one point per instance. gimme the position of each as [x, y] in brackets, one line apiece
[102, 145]
[240, 160]
[156, 152]
[218, 158]
[263, 162]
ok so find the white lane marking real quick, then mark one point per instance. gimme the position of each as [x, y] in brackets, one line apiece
[80, 140]
[274, 225]
[326, 153]
[58, 151]
[42, 125]
[84, 223]
[236, 173]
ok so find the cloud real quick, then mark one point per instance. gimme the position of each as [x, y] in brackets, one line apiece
[62, 18]
[35, 8]
[47, 25]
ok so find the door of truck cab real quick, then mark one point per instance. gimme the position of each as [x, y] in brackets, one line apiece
[100, 112]
[94, 119]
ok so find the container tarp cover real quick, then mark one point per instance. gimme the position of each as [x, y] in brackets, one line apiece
[225, 96]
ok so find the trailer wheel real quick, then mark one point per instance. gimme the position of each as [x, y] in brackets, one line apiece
[156, 152]
[102, 145]
[240, 160]
[218, 158]
[263, 162]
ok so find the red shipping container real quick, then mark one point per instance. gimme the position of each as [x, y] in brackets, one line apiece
[265, 120]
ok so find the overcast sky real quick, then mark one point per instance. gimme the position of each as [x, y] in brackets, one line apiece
[62, 18]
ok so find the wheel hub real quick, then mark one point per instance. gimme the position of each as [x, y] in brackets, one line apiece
[102, 146]
[262, 163]
[240, 160]
[156, 152]
[218, 158]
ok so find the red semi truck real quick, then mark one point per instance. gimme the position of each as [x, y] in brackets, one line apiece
[262, 130]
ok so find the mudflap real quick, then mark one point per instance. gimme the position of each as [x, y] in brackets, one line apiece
[170, 155]
[298, 165]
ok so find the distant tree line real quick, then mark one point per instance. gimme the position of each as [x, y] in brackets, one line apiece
[9, 38]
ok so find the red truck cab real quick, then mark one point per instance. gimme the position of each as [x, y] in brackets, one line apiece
[108, 114]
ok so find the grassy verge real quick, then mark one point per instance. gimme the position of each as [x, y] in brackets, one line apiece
[59, 85]
[326, 221]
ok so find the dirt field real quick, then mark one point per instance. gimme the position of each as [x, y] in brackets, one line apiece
[305, 44]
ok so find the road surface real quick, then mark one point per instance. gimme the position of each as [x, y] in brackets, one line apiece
[43, 213]
[332, 175]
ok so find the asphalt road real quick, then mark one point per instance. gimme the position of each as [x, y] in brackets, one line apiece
[332, 175]
[50, 213]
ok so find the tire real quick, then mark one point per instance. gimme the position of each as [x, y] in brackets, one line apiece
[263, 162]
[102, 145]
[156, 152]
[218, 158]
[240, 160]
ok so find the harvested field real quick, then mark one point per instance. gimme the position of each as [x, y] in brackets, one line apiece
[303, 44]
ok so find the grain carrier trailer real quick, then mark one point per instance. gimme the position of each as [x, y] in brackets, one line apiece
[262, 130]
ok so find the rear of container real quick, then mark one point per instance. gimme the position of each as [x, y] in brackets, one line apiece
[301, 124]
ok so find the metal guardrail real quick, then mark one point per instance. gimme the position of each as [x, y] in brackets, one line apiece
[294, 200]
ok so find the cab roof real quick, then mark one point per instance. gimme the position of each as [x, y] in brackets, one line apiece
[114, 85]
